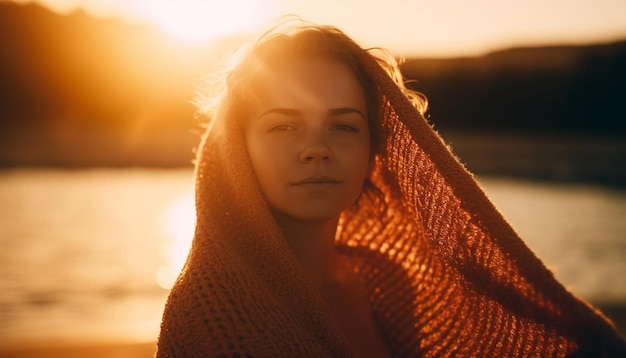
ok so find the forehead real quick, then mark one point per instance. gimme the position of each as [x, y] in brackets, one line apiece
[311, 81]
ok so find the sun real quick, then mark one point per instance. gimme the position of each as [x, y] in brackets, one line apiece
[205, 20]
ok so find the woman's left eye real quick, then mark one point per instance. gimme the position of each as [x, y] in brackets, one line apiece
[345, 127]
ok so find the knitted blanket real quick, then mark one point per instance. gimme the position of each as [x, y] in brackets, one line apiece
[445, 273]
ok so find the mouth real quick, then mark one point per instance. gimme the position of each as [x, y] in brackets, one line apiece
[317, 180]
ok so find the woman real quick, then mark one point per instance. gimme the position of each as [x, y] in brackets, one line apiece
[333, 221]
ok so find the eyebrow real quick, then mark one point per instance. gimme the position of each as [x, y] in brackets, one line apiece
[285, 111]
[295, 112]
[345, 110]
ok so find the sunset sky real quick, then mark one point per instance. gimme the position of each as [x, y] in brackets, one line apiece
[427, 28]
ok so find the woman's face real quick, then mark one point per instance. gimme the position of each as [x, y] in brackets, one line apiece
[309, 139]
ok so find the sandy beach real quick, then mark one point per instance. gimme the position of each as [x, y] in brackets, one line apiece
[616, 312]
[80, 350]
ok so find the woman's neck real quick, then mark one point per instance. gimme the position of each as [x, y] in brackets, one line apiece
[313, 243]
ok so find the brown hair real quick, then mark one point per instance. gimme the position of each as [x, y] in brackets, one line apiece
[235, 97]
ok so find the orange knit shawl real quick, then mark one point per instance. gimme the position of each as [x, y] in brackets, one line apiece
[445, 273]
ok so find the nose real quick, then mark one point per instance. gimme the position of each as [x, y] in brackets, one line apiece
[315, 149]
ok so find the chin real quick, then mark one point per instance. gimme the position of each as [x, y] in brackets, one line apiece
[317, 216]
[320, 210]
[312, 215]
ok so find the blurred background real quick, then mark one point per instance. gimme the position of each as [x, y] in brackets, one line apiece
[97, 135]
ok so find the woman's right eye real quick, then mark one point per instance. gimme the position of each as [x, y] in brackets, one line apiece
[282, 128]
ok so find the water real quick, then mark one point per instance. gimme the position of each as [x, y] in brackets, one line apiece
[87, 255]
[82, 251]
[578, 230]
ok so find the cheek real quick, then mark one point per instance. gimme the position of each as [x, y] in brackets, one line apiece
[267, 162]
[357, 166]
[259, 157]
[363, 160]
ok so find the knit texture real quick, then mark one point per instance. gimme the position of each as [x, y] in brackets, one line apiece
[445, 273]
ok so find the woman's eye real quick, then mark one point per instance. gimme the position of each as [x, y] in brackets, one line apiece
[345, 128]
[282, 128]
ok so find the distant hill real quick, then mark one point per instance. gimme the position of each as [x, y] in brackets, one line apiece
[62, 67]
[75, 90]
[82, 91]
[559, 89]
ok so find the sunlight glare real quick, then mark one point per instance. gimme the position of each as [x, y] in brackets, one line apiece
[201, 21]
[179, 220]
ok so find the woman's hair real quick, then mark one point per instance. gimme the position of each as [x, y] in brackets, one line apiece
[233, 97]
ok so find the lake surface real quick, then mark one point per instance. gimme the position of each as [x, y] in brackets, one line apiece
[88, 255]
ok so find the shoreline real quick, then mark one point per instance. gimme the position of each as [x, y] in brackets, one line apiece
[79, 350]
[615, 311]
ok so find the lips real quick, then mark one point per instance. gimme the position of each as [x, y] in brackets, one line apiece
[318, 180]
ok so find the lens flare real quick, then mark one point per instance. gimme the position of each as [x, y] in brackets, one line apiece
[202, 21]
[179, 220]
